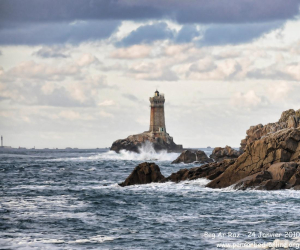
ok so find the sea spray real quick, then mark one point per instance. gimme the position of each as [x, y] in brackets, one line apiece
[146, 153]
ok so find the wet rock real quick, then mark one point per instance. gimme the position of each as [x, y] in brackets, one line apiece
[283, 171]
[220, 154]
[277, 176]
[121, 144]
[253, 180]
[181, 175]
[294, 181]
[209, 171]
[134, 142]
[271, 185]
[282, 146]
[144, 173]
[189, 156]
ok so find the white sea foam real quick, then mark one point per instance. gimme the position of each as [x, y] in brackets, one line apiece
[146, 153]
[94, 239]
[185, 188]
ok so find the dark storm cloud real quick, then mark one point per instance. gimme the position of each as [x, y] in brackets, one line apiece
[147, 34]
[186, 34]
[51, 52]
[188, 11]
[236, 34]
[32, 22]
[55, 33]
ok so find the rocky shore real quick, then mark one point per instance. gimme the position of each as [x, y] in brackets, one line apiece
[160, 141]
[270, 160]
[189, 156]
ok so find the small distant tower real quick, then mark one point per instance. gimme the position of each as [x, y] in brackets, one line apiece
[1, 141]
[157, 115]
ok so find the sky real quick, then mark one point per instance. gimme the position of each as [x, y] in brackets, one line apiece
[79, 73]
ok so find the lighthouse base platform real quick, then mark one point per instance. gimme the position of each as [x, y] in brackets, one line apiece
[160, 141]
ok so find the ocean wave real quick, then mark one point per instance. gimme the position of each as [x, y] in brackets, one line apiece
[94, 239]
[146, 153]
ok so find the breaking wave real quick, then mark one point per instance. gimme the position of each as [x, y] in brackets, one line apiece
[146, 152]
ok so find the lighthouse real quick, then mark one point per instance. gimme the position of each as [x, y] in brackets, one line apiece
[157, 113]
[157, 135]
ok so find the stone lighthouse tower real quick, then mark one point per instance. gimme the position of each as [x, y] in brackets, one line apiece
[157, 135]
[157, 114]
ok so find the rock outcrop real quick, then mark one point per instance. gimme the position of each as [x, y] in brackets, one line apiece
[144, 173]
[270, 161]
[149, 172]
[160, 141]
[277, 176]
[281, 146]
[190, 156]
[220, 154]
[209, 171]
[288, 119]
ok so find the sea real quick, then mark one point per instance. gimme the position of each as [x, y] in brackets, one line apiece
[70, 199]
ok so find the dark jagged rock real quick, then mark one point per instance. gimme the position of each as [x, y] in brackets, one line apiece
[288, 119]
[253, 180]
[144, 173]
[279, 176]
[190, 156]
[220, 154]
[134, 142]
[282, 171]
[209, 171]
[294, 181]
[282, 146]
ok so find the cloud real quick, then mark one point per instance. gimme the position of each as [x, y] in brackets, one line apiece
[87, 59]
[147, 34]
[73, 116]
[189, 11]
[107, 103]
[208, 68]
[204, 65]
[133, 52]
[47, 84]
[151, 72]
[187, 33]
[48, 22]
[51, 72]
[131, 97]
[236, 33]
[279, 91]
[248, 100]
[52, 52]
[277, 71]
[57, 32]
[59, 97]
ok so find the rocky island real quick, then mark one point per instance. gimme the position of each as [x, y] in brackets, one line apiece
[270, 160]
[157, 134]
